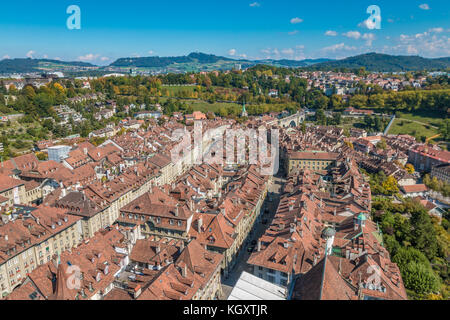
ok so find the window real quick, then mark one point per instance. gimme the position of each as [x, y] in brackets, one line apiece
[271, 278]
[283, 282]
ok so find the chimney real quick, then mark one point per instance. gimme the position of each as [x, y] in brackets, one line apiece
[85, 150]
[176, 212]
[158, 249]
[200, 225]
[137, 291]
[259, 245]
[315, 260]
[6, 238]
[184, 271]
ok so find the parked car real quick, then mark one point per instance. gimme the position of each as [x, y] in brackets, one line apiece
[250, 249]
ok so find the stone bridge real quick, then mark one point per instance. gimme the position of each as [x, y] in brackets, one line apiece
[292, 121]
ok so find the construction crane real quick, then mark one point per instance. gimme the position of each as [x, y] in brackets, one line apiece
[433, 137]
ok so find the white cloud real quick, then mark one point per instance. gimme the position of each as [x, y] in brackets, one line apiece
[331, 33]
[410, 49]
[45, 56]
[338, 47]
[104, 59]
[255, 4]
[425, 44]
[30, 54]
[151, 52]
[390, 20]
[296, 20]
[292, 33]
[6, 57]
[367, 24]
[369, 37]
[234, 53]
[436, 30]
[424, 6]
[352, 34]
[89, 57]
[295, 53]
[288, 52]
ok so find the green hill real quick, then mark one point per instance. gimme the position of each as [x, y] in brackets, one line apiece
[385, 63]
[38, 65]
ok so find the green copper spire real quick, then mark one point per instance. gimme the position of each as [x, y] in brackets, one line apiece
[244, 110]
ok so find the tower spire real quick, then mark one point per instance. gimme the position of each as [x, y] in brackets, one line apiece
[244, 110]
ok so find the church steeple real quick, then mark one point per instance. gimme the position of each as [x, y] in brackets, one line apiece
[244, 111]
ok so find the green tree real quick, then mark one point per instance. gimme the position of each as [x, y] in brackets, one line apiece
[424, 234]
[420, 278]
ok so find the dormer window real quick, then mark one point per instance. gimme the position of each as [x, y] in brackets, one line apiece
[53, 226]
[65, 219]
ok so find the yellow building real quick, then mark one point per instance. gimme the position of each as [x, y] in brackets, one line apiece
[311, 160]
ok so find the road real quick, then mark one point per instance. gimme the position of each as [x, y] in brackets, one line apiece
[241, 263]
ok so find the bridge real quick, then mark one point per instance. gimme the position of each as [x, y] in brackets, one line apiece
[389, 126]
[292, 121]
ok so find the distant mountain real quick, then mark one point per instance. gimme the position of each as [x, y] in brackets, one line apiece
[197, 61]
[385, 63]
[206, 59]
[162, 62]
[292, 63]
[37, 65]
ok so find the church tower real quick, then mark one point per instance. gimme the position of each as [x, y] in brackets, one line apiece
[244, 111]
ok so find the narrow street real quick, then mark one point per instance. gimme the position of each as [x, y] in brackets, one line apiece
[271, 203]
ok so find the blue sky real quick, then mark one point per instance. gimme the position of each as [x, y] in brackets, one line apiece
[254, 29]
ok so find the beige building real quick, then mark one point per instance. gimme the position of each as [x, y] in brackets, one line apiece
[27, 243]
[314, 161]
